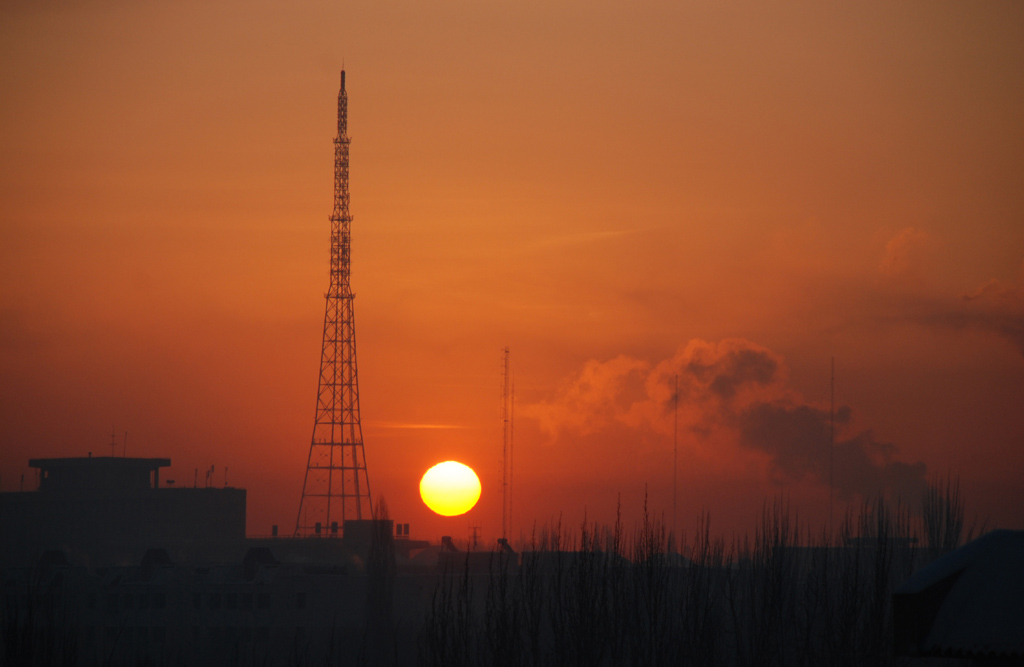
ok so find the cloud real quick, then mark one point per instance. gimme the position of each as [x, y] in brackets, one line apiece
[733, 391]
[398, 425]
[583, 238]
[729, 366]
[902, 251]
[797, 439]
[997, 307]
[601, 393]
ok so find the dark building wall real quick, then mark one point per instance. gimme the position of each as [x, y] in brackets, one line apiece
[99, 527]
[105, 510]
[100, 474]
[180, 615]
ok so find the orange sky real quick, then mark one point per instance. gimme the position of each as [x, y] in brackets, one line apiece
[620, 192]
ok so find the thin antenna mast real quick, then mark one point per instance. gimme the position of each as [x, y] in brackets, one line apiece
[675, 453]
[511, 449]
[506, 443]
[831, 442]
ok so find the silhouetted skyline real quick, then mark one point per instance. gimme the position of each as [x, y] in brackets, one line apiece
[619, 194]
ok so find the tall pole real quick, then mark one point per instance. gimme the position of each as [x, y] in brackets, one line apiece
[506, 444]
[336, 487]
[511, 450]
[675, 452]
[831, 443]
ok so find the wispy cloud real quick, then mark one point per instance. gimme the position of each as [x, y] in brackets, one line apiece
[901, 252]
[582, 238]
[997, 307]
[728, 391]
[399, 425]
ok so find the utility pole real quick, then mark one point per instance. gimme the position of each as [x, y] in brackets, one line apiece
[675, 452]
[506, 446]
[336, 487]
[831, 443]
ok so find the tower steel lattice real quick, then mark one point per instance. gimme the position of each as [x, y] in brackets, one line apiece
[336, 487]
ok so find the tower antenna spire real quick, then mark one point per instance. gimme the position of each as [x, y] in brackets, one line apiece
[336, 487]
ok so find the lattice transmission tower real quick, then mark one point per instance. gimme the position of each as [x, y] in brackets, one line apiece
[336, 488]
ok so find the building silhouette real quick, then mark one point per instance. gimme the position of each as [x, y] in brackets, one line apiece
[103, 511]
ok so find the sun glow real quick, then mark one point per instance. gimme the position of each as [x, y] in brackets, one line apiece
[450, 488]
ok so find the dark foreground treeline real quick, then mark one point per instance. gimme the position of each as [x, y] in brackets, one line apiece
[780, 597]
[592, 596]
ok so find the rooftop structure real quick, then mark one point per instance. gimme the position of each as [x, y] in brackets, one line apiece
[108, 511]
[968, 604]
[102, 473]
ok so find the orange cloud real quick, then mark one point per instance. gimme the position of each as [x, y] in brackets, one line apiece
[734, 400]
[602, 392]
[902, 252]
[997, 307]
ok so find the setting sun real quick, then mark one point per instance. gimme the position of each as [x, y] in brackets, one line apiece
[450, 488]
